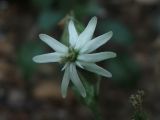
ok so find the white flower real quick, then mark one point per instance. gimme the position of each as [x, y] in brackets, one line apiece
[78, 53]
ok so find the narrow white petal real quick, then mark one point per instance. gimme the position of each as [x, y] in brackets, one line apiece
[53, 43]
[96, 42]
[47, 58]
[65, 82]
[73, 35]
[96, 57]
[65, 66]
[96, 69]
[76, 80]
[79, 64]
[87, 34]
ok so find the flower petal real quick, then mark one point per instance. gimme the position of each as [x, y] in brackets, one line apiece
[64, 67]
[96, 69]
[65, 82]
[47, 58]
[53, 43]
[87, 34]
[96, 42]
[79, 64]
[96, 57]
[76, 80]
[73, 35]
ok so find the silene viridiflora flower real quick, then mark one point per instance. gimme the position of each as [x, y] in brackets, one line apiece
[78, 53]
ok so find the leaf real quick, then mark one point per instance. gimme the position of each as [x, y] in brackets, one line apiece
[125, 70]
[25, 55]
[121, 33]
[42, 4]
[48, 19]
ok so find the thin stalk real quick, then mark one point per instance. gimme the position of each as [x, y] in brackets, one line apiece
[96, 112]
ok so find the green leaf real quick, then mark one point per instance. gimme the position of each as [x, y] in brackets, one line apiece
[121, 33]
[25, 55]
[48, 19]
[125, 70]
[42, 3]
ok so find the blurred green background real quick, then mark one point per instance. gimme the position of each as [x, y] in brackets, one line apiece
[30, 91]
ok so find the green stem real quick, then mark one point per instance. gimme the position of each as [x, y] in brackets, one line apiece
[95, 110]
[91, 100]
[98, 85]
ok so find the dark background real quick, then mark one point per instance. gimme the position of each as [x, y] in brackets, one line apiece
[30, 91]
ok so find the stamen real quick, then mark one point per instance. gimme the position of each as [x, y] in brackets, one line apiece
[71, 56]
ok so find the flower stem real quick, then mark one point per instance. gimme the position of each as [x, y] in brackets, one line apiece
[93, 105]
[95, 110]
[91, 100]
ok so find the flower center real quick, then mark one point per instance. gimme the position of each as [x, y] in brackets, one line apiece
[71, 56]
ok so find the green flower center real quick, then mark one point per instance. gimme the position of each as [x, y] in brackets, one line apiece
[71, 56]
